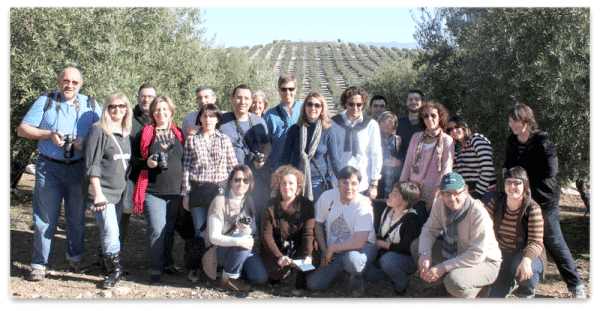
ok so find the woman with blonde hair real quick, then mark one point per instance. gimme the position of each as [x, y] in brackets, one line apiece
[260, 104]
[310, 147]
[287, 227]
[107, 154]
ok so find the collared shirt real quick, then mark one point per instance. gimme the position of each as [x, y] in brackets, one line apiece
[369, 159]
[68, 119]
[207, 160]
[278, 126]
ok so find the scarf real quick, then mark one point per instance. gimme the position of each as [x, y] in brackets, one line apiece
[439, 148]
[306, 157]
[453, 218]
[148, 135]
[351, 136]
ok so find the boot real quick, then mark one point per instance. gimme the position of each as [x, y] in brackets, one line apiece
[113, 265]
[100, 263]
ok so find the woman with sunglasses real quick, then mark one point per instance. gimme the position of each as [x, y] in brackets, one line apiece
[429, 155]
[287, 227]
[107, 154]
[519, 229]
[158, 150]
[230, 233]
[473, 159]
[309, 146]
[532, 149]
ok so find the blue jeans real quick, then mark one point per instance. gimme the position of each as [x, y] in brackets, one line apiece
[108, 224]
[504, 284]
[53, 183]
[354, 262]
[199, 214]
[237, 260]
[559, 251]
[160, 212]
[317, 188]
[394, 266]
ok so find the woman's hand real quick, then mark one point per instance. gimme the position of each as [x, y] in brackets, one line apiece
[243, 228]
[151, 163]
[307, 260]
[284, 261]
[381, 244]
[524, 269]
[246, 242]
[185, 202]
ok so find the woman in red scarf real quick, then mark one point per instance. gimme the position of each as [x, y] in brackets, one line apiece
[158, 189]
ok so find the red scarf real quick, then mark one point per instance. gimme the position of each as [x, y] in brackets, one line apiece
[148, 135]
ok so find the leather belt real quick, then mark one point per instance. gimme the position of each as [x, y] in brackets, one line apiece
[61, 161]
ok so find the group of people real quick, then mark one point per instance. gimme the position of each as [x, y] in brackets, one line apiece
[263, 193]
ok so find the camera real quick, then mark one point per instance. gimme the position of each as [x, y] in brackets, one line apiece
[163, 160]
[68, 146]
[256, 157]
[288, 248]
[245, 220]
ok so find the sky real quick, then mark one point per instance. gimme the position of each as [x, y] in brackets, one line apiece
[239, 27]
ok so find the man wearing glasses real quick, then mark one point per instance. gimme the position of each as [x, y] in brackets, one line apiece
[204, 95]
[467, 258]
[60, 122]
[359, 139]
[281, 117]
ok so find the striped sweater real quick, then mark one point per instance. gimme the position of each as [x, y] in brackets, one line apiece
[474, 162]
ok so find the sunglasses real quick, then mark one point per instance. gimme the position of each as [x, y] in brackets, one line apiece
[287, 89]
[120, 106]
[239, 180]
[315, 105]
[351, 104]
[432, 116]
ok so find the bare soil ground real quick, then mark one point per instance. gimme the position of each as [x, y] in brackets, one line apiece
[61, 283]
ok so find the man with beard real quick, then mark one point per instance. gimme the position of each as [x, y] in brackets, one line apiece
[408, 125]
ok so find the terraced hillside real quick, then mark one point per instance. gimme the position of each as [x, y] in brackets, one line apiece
[325, 67]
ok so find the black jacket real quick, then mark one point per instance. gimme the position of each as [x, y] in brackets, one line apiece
[541, 163]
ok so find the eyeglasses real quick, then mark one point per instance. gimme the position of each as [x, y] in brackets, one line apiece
[239, 180]
[315, 105]
[66, 82]
[450, 129]
[431, 115]
[513, 182]
[120, 106]
[452, 193]
[287, 89]
[351, 104]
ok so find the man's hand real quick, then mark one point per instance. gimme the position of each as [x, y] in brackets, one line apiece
[79, 143]
[259, 165]
[424, 264]
[434, 274]
[372, 193]
[193, 130]
[56, 137]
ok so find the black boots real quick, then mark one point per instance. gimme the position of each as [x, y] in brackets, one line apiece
[115, 270]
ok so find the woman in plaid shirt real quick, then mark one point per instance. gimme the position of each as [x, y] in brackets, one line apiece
[208, 157]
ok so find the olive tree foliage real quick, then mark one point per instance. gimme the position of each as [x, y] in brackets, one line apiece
[117, 50]
[393, 81]
[479, 62]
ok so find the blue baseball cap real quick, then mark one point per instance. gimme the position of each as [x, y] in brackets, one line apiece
[452, 181]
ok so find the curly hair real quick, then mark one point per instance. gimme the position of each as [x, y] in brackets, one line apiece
[351, 91]
[442, 112]
[283, 171]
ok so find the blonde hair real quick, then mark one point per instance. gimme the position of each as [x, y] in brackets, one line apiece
[159, 99]
[262, 95]
[284, 171]
[325, 121]
[106, 122]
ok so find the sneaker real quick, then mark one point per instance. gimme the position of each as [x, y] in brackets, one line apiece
[194, 275]
[235, 285]
[77, 267]
[37, 275]
[578, 293]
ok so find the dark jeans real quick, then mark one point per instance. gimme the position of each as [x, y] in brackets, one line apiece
[559, 251]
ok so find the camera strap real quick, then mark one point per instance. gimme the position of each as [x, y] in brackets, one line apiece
[241, 132]
[121, 151]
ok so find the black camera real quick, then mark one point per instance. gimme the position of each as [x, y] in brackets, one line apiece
[256, 157]
[245, 220]
[288, 248]
[68, 146]
[163, 160]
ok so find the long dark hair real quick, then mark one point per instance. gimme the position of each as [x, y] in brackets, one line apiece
[518, 172]
[247, 173]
